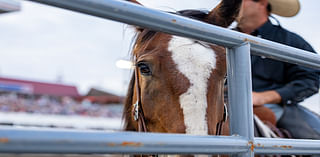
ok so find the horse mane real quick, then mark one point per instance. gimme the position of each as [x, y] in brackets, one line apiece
[144, 35]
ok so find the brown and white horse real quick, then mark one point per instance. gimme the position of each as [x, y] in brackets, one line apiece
[178, 82]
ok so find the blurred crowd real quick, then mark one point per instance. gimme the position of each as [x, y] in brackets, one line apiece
[64, 106]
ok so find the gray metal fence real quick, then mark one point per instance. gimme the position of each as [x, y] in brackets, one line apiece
[241, 143]
[7, 6]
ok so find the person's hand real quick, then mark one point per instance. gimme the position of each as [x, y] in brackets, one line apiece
[257, 99]
[266, 97]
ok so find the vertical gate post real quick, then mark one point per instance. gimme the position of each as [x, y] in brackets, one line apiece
[240, 94]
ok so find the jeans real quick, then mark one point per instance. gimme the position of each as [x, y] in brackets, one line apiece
[276, 108]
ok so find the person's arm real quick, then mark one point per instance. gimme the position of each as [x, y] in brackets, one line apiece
[297, 82]
[266, 97]
[301, 83]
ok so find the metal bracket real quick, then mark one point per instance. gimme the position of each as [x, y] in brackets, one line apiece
[136, 110]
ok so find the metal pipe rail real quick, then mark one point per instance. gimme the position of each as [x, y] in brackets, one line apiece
[240, 95]
[7, 6]
[161, 21]
[13, 140]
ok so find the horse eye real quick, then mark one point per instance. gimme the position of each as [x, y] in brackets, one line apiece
[144, 69]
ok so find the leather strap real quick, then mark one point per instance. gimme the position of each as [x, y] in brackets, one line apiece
[220, 124]
[138, 110]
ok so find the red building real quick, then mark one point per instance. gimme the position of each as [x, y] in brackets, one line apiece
[101, 97]
[37, 88]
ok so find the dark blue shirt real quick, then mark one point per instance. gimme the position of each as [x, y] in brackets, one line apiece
[294, 83]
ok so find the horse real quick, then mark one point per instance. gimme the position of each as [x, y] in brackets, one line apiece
[178, 83]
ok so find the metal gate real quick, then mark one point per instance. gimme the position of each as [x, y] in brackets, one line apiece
[241, 143]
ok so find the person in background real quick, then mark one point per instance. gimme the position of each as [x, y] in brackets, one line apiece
[276, 84]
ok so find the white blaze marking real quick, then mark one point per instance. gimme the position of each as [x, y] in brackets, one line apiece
[196, 62]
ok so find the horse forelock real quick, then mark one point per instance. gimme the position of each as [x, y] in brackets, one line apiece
[144, 36]
[142, 41]
[196, 62]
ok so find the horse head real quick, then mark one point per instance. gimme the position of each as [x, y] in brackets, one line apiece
[178, 82]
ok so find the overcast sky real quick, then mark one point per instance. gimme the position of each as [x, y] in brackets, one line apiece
[45, 43]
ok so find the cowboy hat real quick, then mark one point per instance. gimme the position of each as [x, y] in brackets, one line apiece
[286, 8]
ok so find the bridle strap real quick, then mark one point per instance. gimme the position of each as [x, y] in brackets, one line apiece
[138, 111]
[220, 124]
[219, 127]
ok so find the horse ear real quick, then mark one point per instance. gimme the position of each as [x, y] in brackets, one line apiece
[134, 1]
[225, 13]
